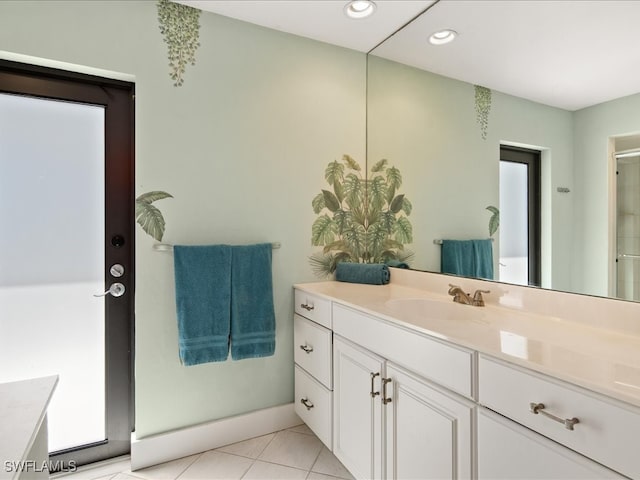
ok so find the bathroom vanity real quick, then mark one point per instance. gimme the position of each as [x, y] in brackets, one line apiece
[401, 382]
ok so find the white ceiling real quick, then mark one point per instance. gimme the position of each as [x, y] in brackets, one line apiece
[565, 53]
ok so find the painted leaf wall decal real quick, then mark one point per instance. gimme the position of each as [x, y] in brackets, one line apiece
[494, 221]
[323, 230]
[351, 163]
[379, 165]
[151, 197]
[149, 217]
[334, 172]
[151, 220]
[394, 179]
[330, 201]
[397, 204]
[318, 203]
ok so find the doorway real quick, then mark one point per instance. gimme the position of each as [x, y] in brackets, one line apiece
[520, 216]
[67, 210]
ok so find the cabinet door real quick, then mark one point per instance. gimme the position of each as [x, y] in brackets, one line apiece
[357, 415]
[509, 451]
[429, 431]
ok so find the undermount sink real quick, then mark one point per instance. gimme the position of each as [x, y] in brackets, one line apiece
[434, 309]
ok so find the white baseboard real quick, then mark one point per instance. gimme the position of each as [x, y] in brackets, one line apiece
[169, 446]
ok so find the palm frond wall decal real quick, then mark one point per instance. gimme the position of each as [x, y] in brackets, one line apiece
[150, 217]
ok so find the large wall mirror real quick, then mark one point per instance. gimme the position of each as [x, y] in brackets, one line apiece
[556, 78]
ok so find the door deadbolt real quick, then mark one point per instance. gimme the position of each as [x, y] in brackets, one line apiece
[116, 270]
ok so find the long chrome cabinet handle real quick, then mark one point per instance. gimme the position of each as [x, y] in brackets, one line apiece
[308, 308]
[537, 408]
[307, 403]
[385, 400]
[307, 349]
[373, 376]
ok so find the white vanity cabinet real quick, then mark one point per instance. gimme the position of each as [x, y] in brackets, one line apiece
[396, 398]
[313, 363]
[595, 426]
[429, 431]
[390, 422]
[508, 451]
[357, 409]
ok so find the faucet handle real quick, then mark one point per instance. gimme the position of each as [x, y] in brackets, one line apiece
[478, 301]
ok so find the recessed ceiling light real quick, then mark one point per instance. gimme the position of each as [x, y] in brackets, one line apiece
[359, 8]
[442, 37]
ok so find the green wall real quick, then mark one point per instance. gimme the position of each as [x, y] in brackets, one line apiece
[241, 146]
[594, 180]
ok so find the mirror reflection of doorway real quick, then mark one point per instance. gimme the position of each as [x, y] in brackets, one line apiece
[627, 223]
[519, 256]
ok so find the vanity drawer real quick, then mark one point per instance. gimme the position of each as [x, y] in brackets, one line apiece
[312, 349]
[313, 307]
[313, 403]
[607, 430]
[444, 364]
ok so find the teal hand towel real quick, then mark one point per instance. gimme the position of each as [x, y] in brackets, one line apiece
[203, 299]
[369, 273]
[253, 321]
[469, 258]
[483, 253]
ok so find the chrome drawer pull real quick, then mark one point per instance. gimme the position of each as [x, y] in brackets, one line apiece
[385, 400]
[306, 403]
[307, 349]
[568, 423]
[373, 376]
[308, 308]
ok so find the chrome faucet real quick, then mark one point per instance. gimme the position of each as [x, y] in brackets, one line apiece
[460, 296]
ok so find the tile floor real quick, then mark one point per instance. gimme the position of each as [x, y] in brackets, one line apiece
[295, 453]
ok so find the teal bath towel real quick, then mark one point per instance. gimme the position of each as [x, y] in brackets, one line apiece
[253, 321]
[469, 258]
[370, 273]
[203, 299]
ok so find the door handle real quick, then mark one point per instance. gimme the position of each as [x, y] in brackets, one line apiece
[116, 290]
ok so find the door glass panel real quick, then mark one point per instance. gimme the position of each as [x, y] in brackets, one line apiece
[52, 258]
[514, 217]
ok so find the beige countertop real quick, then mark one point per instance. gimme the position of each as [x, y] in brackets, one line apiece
[602, 360]
[23, 406]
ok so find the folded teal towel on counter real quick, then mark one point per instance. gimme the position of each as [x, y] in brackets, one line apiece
[203, 299]
[253, 321]
[370, 273]
[469, 258]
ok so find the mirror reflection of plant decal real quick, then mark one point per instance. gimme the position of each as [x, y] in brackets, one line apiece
[150, 217]
[360, 220]
[180, 26]
[494, 221]
[483, 107]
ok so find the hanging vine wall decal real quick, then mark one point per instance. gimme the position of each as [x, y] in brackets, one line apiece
[180, 26]
[483, 107]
